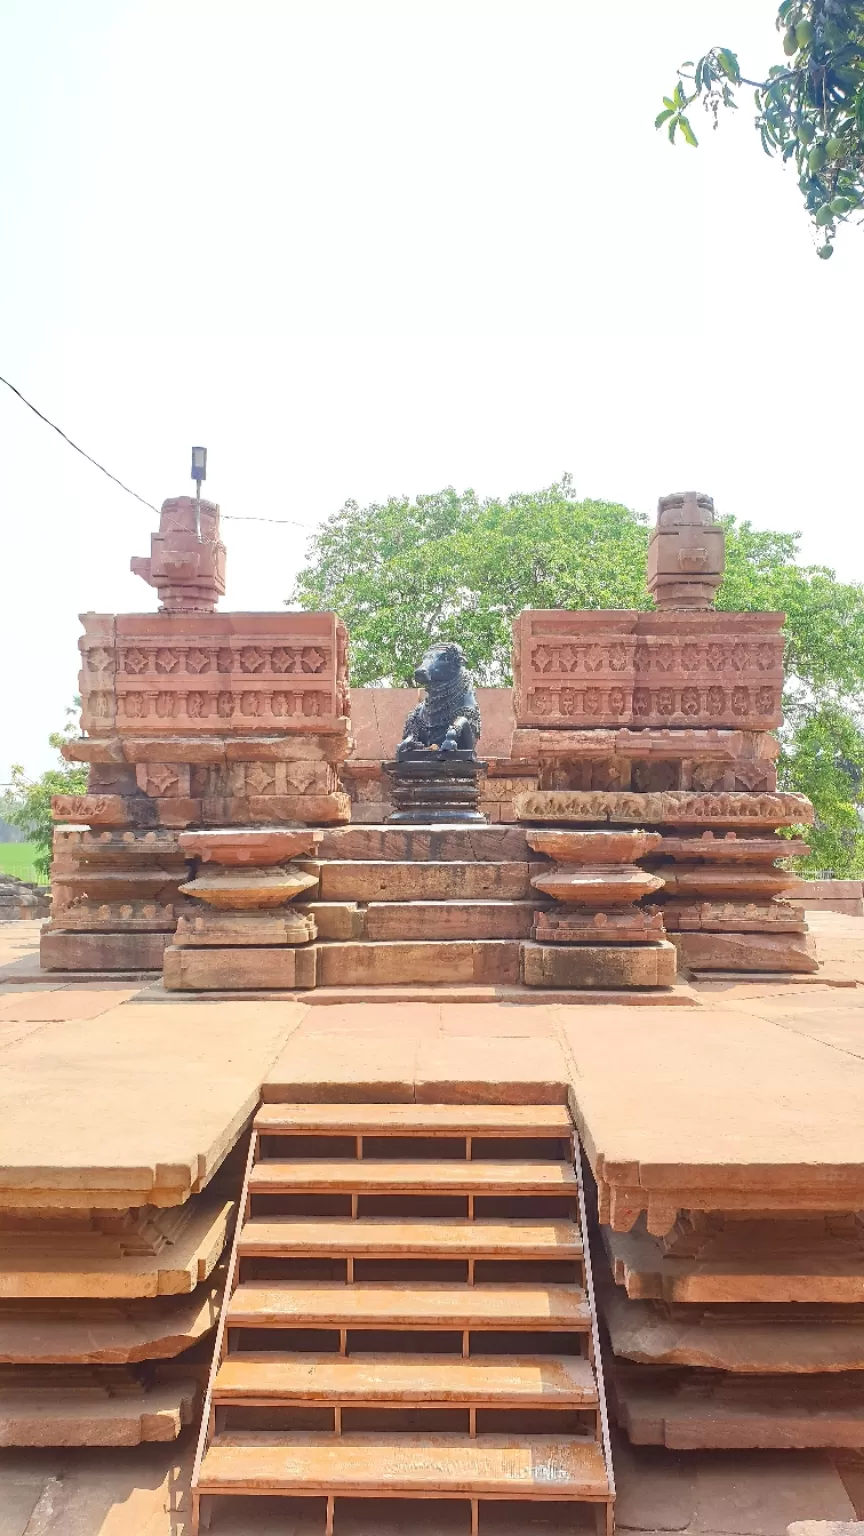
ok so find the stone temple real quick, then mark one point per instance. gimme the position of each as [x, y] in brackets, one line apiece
[406, 1139]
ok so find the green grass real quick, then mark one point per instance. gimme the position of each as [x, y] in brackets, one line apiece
[17, 859]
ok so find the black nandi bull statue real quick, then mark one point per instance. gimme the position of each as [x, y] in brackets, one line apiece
[436, 768]
[448, 718]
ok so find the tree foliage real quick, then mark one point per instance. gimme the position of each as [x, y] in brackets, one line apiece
[809, 109]
[28, 802]
[454, 567]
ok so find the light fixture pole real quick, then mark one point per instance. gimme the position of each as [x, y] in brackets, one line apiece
[199, 473]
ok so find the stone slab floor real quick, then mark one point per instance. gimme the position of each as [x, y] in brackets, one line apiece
[110, 1079]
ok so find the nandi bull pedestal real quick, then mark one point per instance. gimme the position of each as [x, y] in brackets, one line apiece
[436, 768]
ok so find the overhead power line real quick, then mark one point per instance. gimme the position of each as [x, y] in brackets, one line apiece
[231, 517]
[68, 440]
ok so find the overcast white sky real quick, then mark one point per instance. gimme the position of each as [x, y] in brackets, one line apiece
[373, 247]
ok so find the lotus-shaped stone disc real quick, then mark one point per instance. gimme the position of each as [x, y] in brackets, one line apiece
[253, 889]
[249, 845]
[594, 847]
[597, 886]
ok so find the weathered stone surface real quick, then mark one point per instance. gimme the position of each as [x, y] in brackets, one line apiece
[730, 848]
[128, 951]
[758, 883]
[248, 845]
[230, 673]
[82, 846]
[670, 808]
[162, 780]
[595, 847]
[844, 896]
[153, 881]
[249, 889]
[450, 919]
[82, 915]
[686, 553]
[744, 1338]
[598, 965]
[93, 810]
[732, 917]
[69, 1405]
[334, 919]
[624, 925]
[810, 1259]
[186, 564]
[610, 668]
[450, 960]
[826, 1528]
[687, 1410]
[597, 886]
[143, 1252]
[793, 952]
[229, 928]
[233, 970]
[382, 880]
[469, 845]
[96, 1332]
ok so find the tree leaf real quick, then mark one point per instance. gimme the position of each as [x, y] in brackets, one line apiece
[662, 117]
[689, 135]
[673, 124]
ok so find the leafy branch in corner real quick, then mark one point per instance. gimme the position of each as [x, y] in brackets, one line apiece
[809, 111]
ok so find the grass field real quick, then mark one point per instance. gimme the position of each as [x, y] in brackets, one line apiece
[17, 859]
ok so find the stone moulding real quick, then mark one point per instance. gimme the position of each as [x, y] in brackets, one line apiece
[225, 673]
[668, 807]
[620, 668]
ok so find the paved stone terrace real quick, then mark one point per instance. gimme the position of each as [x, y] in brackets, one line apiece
[108, 1084]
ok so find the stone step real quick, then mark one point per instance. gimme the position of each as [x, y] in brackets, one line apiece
[499, 1120]
[740, 1337]
[81, 1406]
[95, 1332]
[695, 1410]
[430, 844]
[149, 1252]
[755, 1261]
[391, 880]
[455, 919]
[451, 1176]
[295, 1237]
[448, 961]
[366, 1380]
[532, 1308]
[388, 1465]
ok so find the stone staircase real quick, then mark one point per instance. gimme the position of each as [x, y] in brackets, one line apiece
[409, 1316]
[423, 905]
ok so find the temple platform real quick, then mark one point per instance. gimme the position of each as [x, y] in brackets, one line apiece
[745, 1101]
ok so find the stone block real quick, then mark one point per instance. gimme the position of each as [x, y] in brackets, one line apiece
[103, 847]
[598, 965]
[733, 917]
[472, 845]
[669, 808]
[177, 811]
[92, 810]
[233, 970]
[263, 929]
[107, 1406]
[312, 810]
[596, 669]
[192, 750]
[491, 961]
[335, 919]
[163, 779]
[450, 919]
[688, 1410]
[93, 749]
[385, 881]
[781, 952]
[96, 1332]
[102, 951]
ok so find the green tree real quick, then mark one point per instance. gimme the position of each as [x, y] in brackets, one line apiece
[28, 802]
[454, 567]
[809, 109]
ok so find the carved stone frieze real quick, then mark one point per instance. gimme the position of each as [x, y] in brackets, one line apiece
[599, 669]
